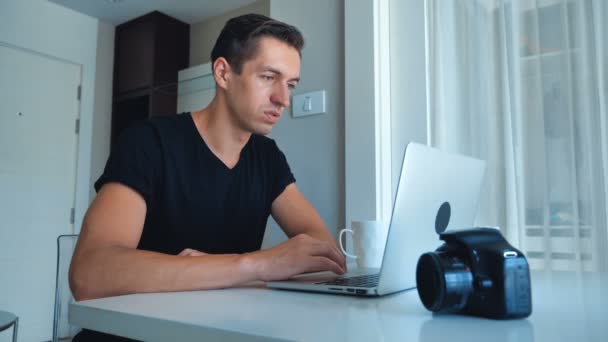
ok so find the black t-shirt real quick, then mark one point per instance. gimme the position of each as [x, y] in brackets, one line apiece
[193, 199]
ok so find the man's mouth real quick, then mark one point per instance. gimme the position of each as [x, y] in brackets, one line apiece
[272, 116]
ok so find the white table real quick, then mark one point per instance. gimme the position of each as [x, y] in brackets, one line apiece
[566, 307]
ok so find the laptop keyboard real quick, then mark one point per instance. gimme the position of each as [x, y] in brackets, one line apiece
[367, 280]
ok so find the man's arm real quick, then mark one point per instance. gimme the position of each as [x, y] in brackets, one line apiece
[107, 263]
[295, 215]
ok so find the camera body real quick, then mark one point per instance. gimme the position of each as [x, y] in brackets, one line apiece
[475, 272]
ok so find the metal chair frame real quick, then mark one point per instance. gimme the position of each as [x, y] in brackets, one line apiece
[58, 285]
[14, 323]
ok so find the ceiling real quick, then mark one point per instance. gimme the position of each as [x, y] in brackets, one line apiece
[119, 11]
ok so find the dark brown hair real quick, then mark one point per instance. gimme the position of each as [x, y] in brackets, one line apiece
[238, 41]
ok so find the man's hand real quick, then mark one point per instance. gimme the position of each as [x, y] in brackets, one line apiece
[300, 254]
[191, 252]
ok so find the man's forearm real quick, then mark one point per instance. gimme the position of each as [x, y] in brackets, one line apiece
[321, 234]
[112, 271]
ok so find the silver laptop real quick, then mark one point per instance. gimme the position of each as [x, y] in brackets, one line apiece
[437, 191]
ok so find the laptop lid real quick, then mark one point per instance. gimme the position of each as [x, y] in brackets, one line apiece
[437, 191]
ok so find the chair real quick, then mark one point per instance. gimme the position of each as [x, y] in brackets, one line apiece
[62, 330]
[7, 320]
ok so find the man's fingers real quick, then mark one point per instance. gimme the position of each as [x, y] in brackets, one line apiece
[185, 252]
[341, 256]
[319, 263]
[328, 250]
[191, 252]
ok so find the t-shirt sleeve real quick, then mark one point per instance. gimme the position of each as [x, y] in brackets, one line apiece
[135, 161]
[283, 176]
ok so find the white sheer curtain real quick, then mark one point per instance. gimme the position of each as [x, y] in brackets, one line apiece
[524, 85]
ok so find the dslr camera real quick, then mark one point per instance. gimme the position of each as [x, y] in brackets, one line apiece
[475, 272]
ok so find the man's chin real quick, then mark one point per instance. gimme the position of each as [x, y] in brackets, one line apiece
[263, 130]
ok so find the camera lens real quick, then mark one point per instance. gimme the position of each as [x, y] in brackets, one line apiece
[444, 282]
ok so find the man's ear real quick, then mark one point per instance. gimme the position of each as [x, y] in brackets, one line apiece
[221, 72]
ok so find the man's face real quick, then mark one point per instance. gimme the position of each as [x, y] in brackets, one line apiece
[257, 97]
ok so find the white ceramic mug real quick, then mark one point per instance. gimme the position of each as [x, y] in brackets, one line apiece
[367, 243]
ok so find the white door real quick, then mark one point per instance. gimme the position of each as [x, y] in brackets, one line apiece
[38, 111]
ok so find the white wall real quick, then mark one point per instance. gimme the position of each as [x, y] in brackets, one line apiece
[204, 34]
[360, 112]
[102, 108]
[50, 29]
[314, 145]
[377, 33]
[408, 79]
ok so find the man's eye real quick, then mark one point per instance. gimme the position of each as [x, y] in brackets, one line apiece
[291, 86]
[267, 78]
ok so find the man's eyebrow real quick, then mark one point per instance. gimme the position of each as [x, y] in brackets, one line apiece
[278, 72]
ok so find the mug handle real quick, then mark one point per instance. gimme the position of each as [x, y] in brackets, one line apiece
[340, 242]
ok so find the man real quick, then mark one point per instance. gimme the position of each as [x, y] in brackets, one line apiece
[184, 200]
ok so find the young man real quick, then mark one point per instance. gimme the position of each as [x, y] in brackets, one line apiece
[184, 200]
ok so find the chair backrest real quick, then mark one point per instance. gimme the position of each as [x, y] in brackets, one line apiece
[7, 320]
[63, 295]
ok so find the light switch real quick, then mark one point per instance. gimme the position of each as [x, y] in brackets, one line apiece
[308, 103]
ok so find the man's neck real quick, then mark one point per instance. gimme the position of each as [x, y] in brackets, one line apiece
[221, 135]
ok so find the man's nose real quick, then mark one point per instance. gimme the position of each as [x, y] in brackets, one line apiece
[280, 96]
